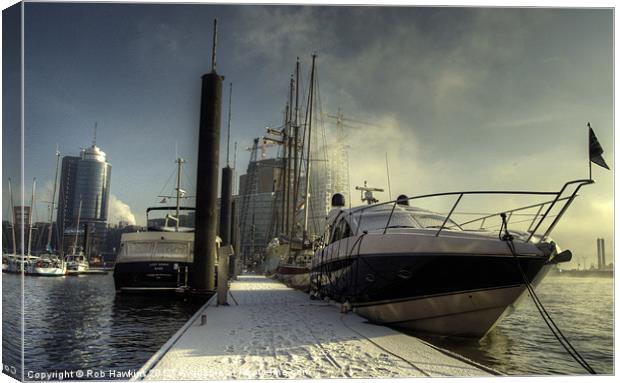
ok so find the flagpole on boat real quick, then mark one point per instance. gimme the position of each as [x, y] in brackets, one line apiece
[589, 152]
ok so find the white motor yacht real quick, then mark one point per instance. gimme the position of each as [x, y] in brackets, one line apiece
[412, 268]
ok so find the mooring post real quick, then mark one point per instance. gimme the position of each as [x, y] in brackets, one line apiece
[226, 207]
[203, 270]
[234, 240]
[224, 253]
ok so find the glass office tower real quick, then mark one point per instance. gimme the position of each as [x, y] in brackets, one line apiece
[85, 182]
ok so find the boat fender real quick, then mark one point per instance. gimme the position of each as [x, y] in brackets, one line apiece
[564, 256]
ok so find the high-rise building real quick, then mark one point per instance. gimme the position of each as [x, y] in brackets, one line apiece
[84, 192]
[255, 224]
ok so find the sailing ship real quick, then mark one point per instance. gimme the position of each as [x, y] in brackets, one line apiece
[289, 254]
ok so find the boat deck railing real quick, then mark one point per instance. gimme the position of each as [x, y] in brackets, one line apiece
[561, 200]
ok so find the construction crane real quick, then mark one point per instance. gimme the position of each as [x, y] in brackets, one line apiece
[339, 156]
[247, 205]
[341, 123]
[264, 144]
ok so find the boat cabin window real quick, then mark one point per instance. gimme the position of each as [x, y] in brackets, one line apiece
[138, 249]
[401, 217]
[171, 248]
[372, 219]
[431, 220]
[342, 230]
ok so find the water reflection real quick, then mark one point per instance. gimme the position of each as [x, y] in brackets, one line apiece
[523, 345]
[78, 323]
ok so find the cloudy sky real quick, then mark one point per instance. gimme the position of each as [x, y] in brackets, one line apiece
[459, 98]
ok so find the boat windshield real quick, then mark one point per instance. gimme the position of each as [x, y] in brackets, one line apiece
[401, 217]
[164, 249]
[171, 248]
[138, 249]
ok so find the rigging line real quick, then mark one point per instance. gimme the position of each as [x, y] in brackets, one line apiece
[553, 327]
[312, 211]
[168, 180]
[320, 113]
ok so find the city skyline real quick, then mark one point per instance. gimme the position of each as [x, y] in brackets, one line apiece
[459, 98]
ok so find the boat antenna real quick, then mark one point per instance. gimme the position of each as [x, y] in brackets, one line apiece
[387, 167]
[12, 212]
[214, 51]
[34, 184]
[51, 225]
[366, 193]
[228, 134]
[180, 161]
[95, 135]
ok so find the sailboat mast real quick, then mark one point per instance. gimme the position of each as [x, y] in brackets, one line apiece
[34, 183]
[179, 162]
[295, 151]
[289, 158]
[282, 218]
[310, 107]
[51, 226]
[77, 227]
[12, 218]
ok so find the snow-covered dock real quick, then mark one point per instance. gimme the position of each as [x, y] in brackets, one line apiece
[270, 331]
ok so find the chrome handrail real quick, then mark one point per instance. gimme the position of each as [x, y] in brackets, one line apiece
[557, 198]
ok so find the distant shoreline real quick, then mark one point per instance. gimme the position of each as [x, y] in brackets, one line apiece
[583, 273]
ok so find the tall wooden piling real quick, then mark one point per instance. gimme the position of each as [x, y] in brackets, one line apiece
[203, 272]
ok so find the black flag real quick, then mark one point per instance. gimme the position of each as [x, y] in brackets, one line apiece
[596, 151]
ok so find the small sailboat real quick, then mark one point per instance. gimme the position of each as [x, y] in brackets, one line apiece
[24, 263]
[76, 261]
[51, 264]
[9, 259]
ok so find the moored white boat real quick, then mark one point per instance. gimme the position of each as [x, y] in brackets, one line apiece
[5, 262]
[76, 264]
[407, 267]
[50, 265]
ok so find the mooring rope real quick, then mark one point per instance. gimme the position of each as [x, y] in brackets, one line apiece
[555, 330]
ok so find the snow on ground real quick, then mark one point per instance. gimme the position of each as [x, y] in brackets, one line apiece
[275, 332]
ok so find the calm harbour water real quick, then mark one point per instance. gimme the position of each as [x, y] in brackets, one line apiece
[523, 345]
[79, 323]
